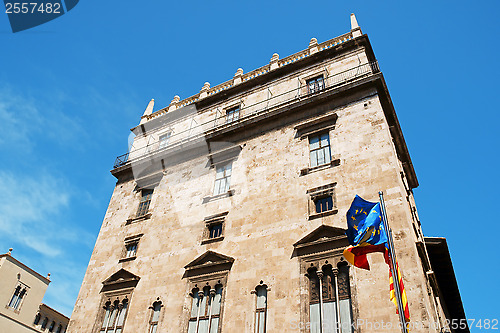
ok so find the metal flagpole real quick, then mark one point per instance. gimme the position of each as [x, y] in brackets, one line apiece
[395, 275]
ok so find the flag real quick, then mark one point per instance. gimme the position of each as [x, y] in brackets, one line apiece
[364, 223]
[356, 255]
[404, 300]
[366, 234]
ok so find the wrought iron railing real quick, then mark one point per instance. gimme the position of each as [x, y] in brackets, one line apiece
[221, 121]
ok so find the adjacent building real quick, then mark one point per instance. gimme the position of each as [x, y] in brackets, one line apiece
[21, 292]
[228, 214]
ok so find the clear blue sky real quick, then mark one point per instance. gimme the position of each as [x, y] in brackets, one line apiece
[71, 89]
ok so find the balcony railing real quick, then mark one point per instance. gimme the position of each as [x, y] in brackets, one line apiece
[222, 121]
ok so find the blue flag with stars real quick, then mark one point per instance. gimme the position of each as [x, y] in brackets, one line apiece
[364, 223]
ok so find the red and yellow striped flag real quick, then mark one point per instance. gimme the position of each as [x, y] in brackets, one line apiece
[402, 291]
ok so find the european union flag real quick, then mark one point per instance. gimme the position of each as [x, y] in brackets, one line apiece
[364, 223]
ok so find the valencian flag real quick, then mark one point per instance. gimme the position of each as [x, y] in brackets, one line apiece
[365, 232]
[404, 300]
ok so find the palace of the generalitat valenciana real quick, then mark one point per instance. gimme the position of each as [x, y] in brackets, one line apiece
[229, 202]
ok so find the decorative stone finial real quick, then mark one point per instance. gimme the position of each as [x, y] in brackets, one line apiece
[237, 76]
[313, 46]
[355, 29]
[10, 251]
[176, 99]
[48, 276]
[274, 61]
[204, 90]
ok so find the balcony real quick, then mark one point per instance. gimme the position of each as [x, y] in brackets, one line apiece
[222, 121]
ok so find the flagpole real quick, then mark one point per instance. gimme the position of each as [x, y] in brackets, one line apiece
[395, 275]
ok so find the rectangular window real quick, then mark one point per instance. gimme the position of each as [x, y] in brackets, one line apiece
[222, 178]
[323, 204]
[131, 249]
[205, 310]
[315, 84]
[164, 140]
[319, 148]
[232, 115]
[215, 230]
[145, 201]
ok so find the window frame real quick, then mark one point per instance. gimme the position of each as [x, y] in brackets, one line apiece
[325, 192]
[211, 221]
[209, 289]
[318, 84]
[116, 319]
[232, 114]
[164, 140]
[153, 324]
[223, 168]
[18, 296]
[145, 202]
[327, 157]
[260, 310]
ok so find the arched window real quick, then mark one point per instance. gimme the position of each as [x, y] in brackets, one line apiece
[59, 329]
[52, 325]
[261, 308]
[155, 316]
[205, 310]
[17, 297]
[44, 323]
[37, 319]
[330, 299]
[114, 316]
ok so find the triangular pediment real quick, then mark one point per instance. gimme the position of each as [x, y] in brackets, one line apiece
[122, 276]
[321, 234]
[209, 258]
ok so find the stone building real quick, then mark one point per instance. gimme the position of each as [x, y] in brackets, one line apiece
[21, 292]
[231, 201]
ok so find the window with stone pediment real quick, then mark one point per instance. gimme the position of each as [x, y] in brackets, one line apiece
[116, 293]
[207, 277]
[326, 275]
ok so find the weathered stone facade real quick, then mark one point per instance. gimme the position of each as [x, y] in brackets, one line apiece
[262, 226]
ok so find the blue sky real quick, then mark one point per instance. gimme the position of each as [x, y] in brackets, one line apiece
[71, 89]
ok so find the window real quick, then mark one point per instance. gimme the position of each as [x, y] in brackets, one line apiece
[145, 201]
[319, 149]
[214, 228]
[315, 84]
[164, 140]
[205, 309]
[37, 319]
[232, 114]
[222, 178]
[131, 249]
[330, 299]
[59, 329]
[52, 325]
[322, 200]
[153, 323]
[114, 316]
[323, 204]
[44, 323]
[17, 297]
[261, 309]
